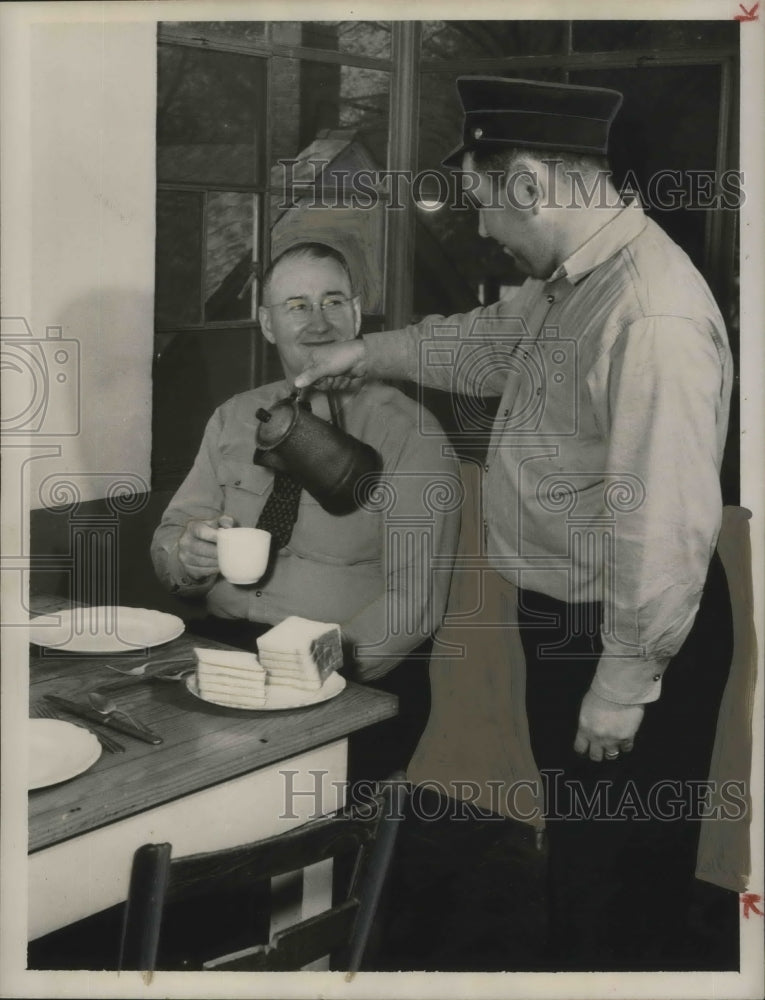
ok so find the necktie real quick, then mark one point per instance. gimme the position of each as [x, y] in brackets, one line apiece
[281, 508]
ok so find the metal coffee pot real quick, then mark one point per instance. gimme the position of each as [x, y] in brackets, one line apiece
[336, 468]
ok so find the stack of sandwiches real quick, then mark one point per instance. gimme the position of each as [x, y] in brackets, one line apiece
[300, 653]
[297, 653]
[231, 678]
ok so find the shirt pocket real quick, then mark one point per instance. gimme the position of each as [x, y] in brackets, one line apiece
[245, 489]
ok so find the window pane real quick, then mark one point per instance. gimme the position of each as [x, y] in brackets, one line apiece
[369, 38]
[210, 116]
[308, 98]
[486, 39]
[611, 36]
[681, 139]
[246, 31]
[193, 373]
[337, 129]
[178, 281]
[231, 234]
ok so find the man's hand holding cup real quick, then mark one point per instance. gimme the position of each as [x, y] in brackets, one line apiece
[198, 548]
[215, 545]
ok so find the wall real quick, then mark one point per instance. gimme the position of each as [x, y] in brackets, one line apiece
[88, 212]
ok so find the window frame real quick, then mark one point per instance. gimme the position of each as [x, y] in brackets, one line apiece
[406, 67]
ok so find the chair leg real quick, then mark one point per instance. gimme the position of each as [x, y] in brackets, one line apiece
[395, 792]
[143, 910]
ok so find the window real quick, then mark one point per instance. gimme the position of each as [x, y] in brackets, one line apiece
[234, 99]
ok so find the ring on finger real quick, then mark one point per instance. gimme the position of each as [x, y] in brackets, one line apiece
[611, 754]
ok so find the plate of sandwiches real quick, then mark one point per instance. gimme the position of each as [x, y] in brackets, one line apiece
[296, 665]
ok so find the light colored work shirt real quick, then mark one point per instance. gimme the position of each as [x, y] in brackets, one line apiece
[602, 472]
[382, 573]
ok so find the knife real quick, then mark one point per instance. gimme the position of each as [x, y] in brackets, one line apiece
[121, 725]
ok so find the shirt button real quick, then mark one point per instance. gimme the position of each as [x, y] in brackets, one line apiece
[657, 677]
[486, 468]
[258, 593]
[551, 299]
[506, 413]
[238, 482]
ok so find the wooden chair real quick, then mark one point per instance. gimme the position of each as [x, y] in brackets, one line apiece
[368, 832]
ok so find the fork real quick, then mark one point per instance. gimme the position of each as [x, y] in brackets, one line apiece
[128, 680]
[107, 742]
[140, 670]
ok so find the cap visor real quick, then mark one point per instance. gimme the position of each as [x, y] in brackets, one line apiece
[454, 160]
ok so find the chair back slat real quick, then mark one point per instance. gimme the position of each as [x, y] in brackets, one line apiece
[295, 946]
[327, 837]
[370, 875]
[143, 910]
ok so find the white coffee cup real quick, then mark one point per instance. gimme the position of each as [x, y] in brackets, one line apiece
[243, 553]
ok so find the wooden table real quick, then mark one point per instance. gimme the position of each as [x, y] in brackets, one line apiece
[221, 777]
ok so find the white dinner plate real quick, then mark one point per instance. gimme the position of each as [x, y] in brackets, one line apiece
[279, 697]
[104, 629]
[58, 751]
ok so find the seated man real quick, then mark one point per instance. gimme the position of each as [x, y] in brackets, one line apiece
[369, 571]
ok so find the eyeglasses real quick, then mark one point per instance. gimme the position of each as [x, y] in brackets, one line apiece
[299, 308]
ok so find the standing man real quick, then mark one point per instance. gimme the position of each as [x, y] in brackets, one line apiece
[372, 571]
[602, 503]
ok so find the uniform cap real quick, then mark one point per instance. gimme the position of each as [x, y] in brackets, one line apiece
[556, 116]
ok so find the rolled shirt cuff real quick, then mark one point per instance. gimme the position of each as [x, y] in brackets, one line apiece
[172, 572]
[188, 587]
[629, 680]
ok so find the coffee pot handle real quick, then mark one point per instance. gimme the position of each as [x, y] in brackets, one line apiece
[335, 411]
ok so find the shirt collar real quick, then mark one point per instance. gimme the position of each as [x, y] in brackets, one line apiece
[603, 244]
